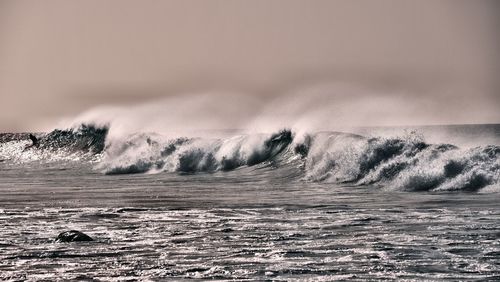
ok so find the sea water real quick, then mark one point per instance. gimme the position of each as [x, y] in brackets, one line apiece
[370, 204]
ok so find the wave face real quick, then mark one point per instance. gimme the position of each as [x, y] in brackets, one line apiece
[403, 163]
[152, 153]
[84, 139]
[85, 142]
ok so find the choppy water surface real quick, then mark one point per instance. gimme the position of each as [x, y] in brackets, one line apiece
[230, 227]
[321, 209]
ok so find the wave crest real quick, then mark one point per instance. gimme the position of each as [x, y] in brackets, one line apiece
[403, 163]
[150, 153]
[86, 138]
[57, 145]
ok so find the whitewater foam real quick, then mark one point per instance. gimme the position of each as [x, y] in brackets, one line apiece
[146, 153]
[404, 163]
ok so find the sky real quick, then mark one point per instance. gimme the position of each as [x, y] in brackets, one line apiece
[61, 58]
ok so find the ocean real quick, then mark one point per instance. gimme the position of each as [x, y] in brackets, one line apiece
[393, 203]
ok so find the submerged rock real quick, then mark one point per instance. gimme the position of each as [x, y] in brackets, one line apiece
[73, 236]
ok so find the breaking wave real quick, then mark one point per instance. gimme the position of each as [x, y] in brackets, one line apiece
[403, 163]
[151, 153]
[84, 139]
[84, 142]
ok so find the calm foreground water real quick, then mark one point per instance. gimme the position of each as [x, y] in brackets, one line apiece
[258, 222]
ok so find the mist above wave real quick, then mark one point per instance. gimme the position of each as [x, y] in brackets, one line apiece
[321, 107]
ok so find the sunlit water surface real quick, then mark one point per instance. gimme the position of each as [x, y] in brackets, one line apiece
[238, 225]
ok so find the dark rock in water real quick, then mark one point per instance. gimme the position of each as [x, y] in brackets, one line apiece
[73, 236]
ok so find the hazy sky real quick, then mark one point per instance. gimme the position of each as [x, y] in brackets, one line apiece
[59, 57]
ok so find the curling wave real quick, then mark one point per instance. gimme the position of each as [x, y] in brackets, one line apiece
[151, 153]
[401, 163]
[86, 138]
[404, 163]
[85, 141]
